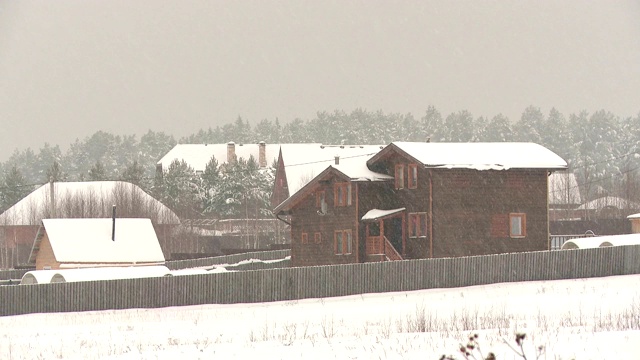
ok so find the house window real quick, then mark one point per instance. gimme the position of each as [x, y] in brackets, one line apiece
[317, 238]
[342, 242]
[399, 176]
[418, 224]
[517, 225]
[342, 194]
[305, 238]
[413, 176]
[319, 199]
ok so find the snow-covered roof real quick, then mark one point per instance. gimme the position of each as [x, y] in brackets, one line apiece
[634, 216]
[109, 273]
[198, 155]
[563, 189]
[609, 201]
[303, 162]
[97, 197]
[89, 241]
[354, 168]
[480, 156]
[376, 214]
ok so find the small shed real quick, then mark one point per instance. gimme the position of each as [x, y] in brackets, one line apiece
[82, 243]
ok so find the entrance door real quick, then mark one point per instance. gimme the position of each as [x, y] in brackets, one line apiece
[393, 232]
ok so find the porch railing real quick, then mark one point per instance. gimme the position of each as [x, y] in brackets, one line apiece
[380, 245]
[390, 251]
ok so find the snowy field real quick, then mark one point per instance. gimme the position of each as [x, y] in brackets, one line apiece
[572, 319]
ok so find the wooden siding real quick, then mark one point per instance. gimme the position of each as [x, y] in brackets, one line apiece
[305, 218]
[319, 282]
[471, 211]
[45, 256]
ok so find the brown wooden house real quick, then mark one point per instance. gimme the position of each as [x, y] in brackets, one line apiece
[424, 200]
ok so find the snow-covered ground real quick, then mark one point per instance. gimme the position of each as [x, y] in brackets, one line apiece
[582, 319]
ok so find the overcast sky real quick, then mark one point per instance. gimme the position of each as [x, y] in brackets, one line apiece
[69, 68]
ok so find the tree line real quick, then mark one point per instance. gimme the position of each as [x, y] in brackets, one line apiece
[602, 149]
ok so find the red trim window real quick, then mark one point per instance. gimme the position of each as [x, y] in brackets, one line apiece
[399, 175]
[418, 224]
[304, 238]
[342, 194]
[517, 225]
[317, 238]
[342, 242]
[412, 170]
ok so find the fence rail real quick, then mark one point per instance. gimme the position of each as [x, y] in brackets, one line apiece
[319, 281]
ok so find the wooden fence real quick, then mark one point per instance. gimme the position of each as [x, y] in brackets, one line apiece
[319, 281]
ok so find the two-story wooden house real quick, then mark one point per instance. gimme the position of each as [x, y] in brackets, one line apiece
[424, 200]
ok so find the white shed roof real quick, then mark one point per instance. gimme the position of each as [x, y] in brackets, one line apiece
[89, 241]
[483, 156]
[36, 206]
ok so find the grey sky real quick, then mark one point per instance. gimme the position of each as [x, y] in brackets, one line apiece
[69, 68]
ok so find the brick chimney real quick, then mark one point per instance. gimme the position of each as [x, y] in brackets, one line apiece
[337, 159]
[231, 152]
[262, 154]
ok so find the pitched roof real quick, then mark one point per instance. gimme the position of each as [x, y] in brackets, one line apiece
[351, 169]
[198, 155]
[477, 156]
[303, 162]
[99, 196]
[89, 241]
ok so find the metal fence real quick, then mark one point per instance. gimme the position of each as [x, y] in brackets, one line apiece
[319, 281]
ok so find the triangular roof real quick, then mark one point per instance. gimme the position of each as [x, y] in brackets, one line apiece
[350, 169]
[90, 241]
[302, 162]
[477, 156]
[100, 196]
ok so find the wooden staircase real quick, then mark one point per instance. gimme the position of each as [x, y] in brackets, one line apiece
[379, 248]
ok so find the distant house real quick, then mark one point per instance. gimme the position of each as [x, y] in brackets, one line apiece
[198, 155]
[424, 200]
[608, 207]
[82, 243]
[20, 223]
